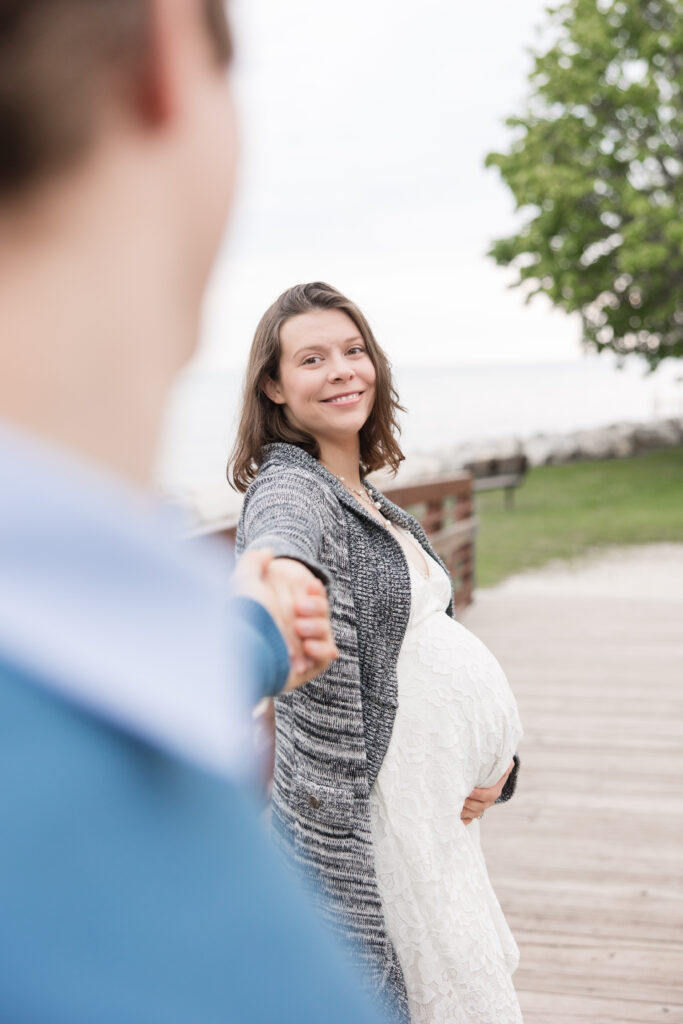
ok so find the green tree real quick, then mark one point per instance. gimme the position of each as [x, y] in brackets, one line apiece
[595, 165]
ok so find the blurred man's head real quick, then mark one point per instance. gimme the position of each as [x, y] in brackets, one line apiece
[117, 152]
[60, 63]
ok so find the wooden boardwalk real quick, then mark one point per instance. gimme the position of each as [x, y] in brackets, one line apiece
[587, 858]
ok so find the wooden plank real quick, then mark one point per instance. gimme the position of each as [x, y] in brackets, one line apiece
[587, 858]
[457, 485]
[570, 1008]
[455, 535]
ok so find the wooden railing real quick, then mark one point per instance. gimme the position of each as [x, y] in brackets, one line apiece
[445, 509]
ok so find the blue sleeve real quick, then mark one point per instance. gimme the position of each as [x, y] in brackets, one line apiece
[262, 647]
[136, 887]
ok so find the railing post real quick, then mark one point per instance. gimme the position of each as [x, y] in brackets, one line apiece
[454, 542]
[432, 520]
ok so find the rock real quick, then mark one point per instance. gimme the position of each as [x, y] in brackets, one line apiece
[565, 449]
[616, 440]
[539, 448]
[217, 503]
[662, 434]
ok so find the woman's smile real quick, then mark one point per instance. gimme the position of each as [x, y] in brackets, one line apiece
[348, 398]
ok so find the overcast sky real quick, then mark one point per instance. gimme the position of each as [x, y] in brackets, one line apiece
[364, 128]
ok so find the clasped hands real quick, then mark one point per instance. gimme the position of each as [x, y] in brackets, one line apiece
[297, 601]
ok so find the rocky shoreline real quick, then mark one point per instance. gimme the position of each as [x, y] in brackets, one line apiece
[216, 506]
[614, 441]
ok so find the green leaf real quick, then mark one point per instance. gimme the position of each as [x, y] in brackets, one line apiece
[595, 160]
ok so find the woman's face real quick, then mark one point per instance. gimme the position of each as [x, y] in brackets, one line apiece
[327, 378]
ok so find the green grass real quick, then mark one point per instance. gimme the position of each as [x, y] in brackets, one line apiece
[562, 511]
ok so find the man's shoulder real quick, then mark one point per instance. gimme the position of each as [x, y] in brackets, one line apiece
[142, 884]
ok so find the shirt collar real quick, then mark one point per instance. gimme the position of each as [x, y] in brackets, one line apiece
[102, 602]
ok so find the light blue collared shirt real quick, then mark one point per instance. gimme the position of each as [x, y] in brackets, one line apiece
[102, 602]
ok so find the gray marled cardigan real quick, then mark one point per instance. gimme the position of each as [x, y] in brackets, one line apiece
[333, 733]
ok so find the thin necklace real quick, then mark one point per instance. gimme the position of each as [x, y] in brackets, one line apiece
[363, 494]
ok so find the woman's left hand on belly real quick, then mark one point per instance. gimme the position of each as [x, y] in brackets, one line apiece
[480, 798]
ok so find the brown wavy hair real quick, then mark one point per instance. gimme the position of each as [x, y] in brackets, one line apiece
[263, 421]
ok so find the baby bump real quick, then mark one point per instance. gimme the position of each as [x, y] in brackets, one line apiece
[456, 708]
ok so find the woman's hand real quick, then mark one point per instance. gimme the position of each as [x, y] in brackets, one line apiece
[482, 797]
[297, 601]
[304, 607]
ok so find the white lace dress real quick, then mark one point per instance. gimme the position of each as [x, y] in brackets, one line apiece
[457, 727]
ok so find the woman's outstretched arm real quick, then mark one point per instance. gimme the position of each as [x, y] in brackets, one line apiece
[281, 512]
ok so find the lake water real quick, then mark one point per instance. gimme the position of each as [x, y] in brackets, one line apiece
[446, 405]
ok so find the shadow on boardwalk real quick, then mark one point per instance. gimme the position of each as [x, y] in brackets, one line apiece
[587, 859]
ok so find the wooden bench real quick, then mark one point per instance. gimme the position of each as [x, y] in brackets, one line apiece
[507, 473]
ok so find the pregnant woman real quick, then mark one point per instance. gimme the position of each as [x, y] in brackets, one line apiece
[384, 762]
